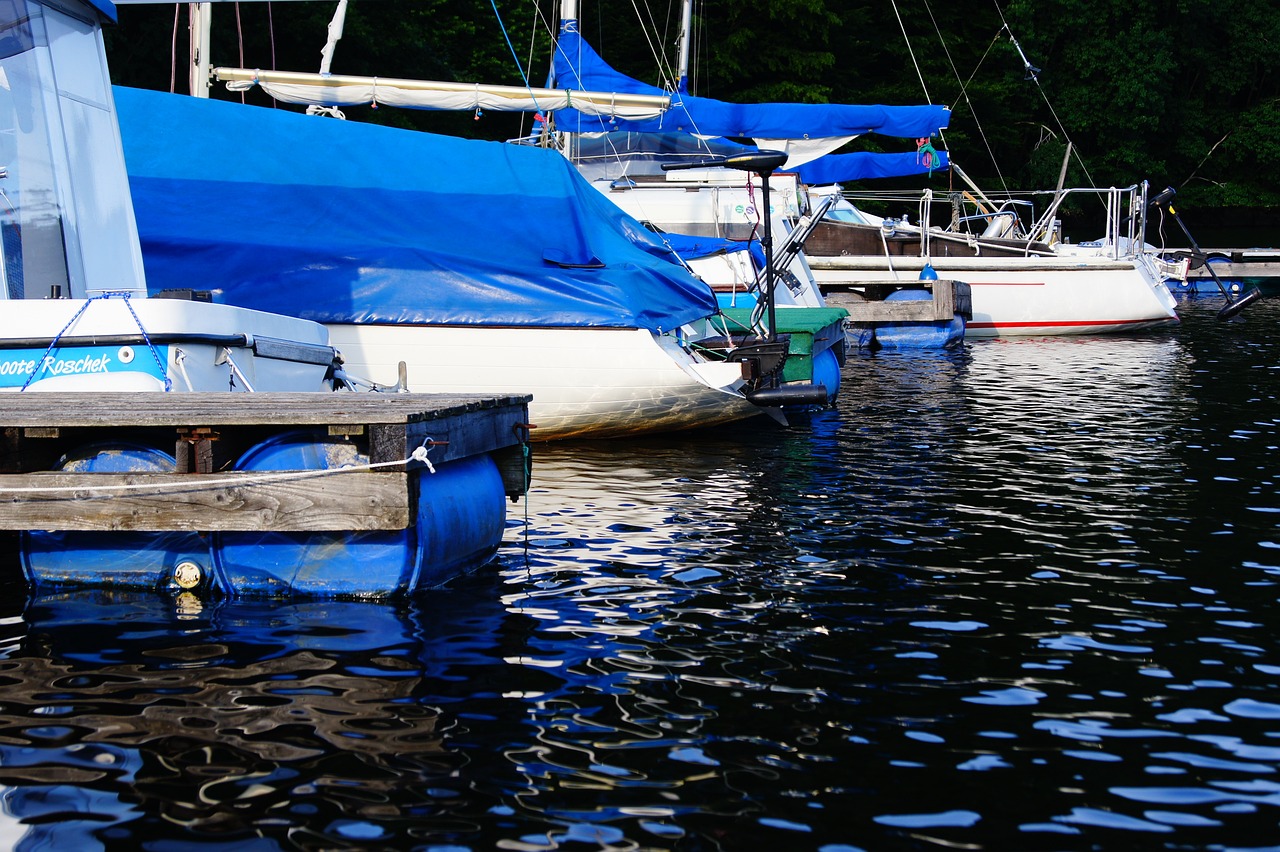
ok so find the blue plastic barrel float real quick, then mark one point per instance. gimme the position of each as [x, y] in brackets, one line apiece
[1206, 285]
[918, 335]
[141, 560]
[458, 525]
[826, 372]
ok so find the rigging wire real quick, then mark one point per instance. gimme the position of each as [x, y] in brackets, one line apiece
[271, 34]
[533, 43]
[514, 56]
[911, 50]
[1033, 74]
[964, 86]
[240, 40]
[964, 90]
[649, 27]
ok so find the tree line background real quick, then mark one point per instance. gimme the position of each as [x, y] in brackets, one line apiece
[1182, 93]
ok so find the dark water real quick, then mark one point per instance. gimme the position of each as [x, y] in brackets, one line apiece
[1021, 596]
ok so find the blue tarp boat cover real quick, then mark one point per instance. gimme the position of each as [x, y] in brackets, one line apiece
[862, 165]
[577, 66]
[343, 222]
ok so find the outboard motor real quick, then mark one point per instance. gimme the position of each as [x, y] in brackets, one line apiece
[762, 361]
[1164, 201]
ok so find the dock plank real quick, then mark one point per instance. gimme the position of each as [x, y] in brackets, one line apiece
[46, 409]
[37, 426]
[151, 502]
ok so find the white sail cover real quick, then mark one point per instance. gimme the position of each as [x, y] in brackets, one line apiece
[345, 90]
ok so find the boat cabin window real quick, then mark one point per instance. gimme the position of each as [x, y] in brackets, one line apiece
[66, 220]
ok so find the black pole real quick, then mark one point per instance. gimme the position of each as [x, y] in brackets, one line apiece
[763, 164]
[1164, 200]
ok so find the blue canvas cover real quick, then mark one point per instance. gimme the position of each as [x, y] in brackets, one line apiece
[342, 222]
[862, 165]
[578, 66]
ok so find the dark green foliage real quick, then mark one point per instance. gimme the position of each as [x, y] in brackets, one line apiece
[1177, 92]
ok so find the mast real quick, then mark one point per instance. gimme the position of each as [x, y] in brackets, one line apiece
[335, 33]
[199, 16]
[686, 35]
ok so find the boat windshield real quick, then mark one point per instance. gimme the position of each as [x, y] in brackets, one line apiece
[66, 221]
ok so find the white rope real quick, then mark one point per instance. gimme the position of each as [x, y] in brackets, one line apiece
[235, 370]
[180, 361]
[419, 455]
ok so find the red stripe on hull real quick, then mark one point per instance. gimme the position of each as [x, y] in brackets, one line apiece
[1071, 323]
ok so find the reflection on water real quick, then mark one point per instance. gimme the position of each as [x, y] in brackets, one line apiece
[1018, 596]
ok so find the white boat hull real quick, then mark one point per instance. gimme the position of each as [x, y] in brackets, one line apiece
[155, 345]
[585, 382]
[1070, 294]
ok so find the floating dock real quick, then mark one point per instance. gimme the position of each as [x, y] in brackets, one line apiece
[867, 301]
[206, 429]
[1237, 269]
[276, 478]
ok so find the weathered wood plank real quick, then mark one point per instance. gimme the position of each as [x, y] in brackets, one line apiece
[921, 311]
[46, 409]
[941, 308]
[359, 500]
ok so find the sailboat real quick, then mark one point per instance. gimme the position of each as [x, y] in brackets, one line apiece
[483, 266]
[479, 265]
[662, 169]
[1023, 278]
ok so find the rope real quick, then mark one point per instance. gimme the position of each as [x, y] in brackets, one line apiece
[505, 35]
[168, 383]
[173, 51]
[418, 455]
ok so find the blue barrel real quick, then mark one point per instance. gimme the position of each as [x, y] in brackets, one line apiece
[1209, 286]
[860, 336]
[826, 372]
[138, 560]
[918, 335]
[458, 525]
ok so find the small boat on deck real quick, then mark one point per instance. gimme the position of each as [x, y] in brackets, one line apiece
[1239, 270]
[168, 442]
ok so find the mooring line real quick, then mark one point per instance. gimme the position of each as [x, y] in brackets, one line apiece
[418, 455]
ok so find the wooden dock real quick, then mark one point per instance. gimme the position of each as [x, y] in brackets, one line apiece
[866, 301]
[1260, 264]
[206, 432]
